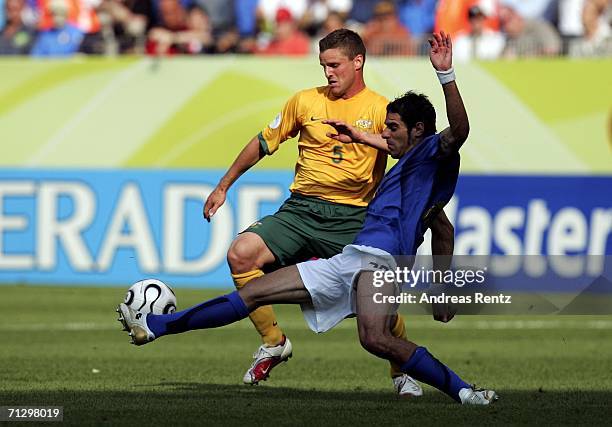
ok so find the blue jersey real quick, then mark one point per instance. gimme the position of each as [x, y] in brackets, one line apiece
[410, 195]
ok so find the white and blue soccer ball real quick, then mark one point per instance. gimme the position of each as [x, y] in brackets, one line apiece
[151, 296]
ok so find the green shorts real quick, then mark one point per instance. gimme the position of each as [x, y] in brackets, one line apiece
[307, 227]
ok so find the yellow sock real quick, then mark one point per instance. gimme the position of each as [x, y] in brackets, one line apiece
[263, 318]
[398, 330]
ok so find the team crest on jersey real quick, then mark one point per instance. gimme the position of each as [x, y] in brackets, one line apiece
[276, 122]
[364, 124]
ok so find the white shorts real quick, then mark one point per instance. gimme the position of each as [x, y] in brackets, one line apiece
[331, 283]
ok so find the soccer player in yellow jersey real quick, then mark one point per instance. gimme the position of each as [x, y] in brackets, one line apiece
[332, 186]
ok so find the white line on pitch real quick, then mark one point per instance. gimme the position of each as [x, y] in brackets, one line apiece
[410, 324]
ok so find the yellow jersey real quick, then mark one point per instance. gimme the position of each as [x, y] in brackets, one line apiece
[328, 169]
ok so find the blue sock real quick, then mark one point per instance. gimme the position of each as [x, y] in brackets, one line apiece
[423, 367]
[213, 313]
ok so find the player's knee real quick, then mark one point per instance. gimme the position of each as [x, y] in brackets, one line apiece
[375, 343]
[242, 256]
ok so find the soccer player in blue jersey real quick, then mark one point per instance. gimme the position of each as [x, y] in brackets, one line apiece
[329, 290]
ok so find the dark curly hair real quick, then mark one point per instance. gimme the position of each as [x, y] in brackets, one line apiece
[415, 107]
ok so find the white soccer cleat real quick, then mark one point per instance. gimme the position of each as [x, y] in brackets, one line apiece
[135, 323]
[266, 358]
[406, 386]
[477, 396]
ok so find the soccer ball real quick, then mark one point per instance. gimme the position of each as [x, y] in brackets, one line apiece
[151, 296]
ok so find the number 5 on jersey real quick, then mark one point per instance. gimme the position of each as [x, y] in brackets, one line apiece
[337, 154]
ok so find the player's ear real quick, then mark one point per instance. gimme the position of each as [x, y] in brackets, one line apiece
[358, 62]
[419, 129]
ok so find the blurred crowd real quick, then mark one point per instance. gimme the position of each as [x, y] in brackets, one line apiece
[481, 29]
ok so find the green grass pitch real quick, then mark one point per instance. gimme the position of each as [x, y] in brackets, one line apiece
[62, 346]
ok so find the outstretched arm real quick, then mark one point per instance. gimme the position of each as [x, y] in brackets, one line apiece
[348, 134]
[249, 156]
[441, 55]
[442, 231]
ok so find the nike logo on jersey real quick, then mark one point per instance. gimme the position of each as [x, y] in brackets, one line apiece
[315, 119]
